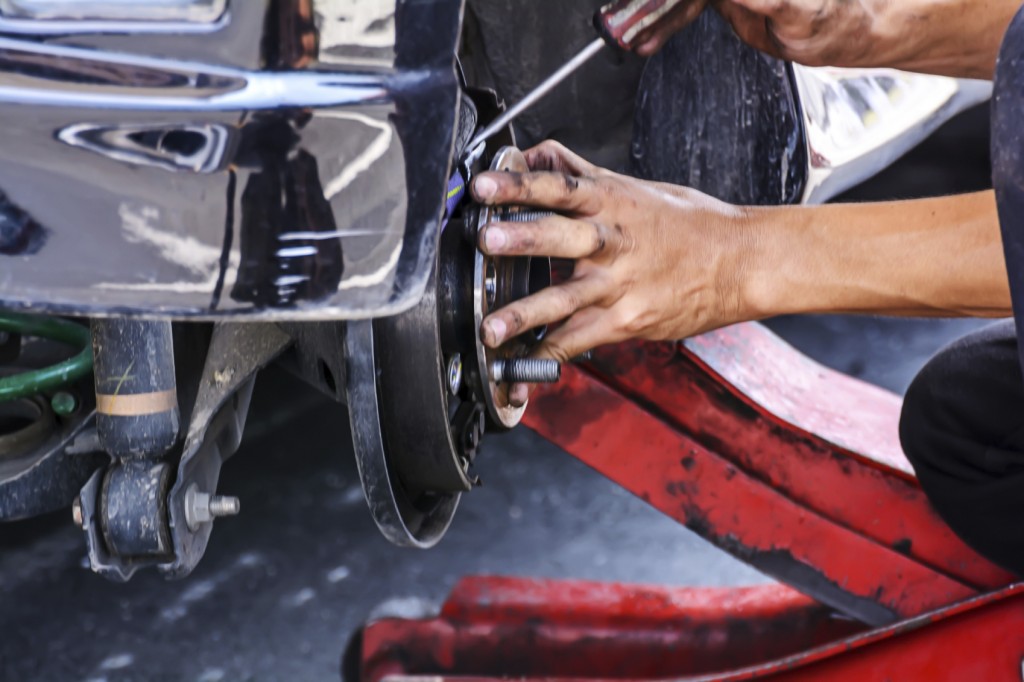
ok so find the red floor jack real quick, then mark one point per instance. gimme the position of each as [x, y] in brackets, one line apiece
[789, 466]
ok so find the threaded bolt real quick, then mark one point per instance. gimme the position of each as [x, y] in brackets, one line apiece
[203, 508]
[526, 371]
[224, 505]
[524, 216]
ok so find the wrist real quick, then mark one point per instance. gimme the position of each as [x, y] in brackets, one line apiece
[766, 258]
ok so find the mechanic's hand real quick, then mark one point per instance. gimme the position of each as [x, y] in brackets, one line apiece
[653, 261]
[811, 32]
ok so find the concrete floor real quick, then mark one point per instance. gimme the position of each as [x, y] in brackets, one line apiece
[284, 585]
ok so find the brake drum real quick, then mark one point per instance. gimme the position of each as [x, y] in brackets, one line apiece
[420, 391]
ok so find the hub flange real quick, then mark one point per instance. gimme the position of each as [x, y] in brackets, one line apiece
[421, 394]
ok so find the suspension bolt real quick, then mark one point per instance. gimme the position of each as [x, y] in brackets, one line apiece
[203, 508]
[455, 373]
[525, 371]
[224, 505]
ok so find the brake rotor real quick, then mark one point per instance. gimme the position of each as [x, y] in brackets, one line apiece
[420, 392]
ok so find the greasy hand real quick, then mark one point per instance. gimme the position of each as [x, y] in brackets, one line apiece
[652, 261]
[812, 32]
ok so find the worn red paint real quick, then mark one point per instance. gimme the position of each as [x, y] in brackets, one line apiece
[787, 465]
[516, 627]
[733, 509]
[803, 394]
[835, 476]
[493, 628]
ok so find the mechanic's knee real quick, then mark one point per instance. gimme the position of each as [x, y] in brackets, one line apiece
[965, 402]
[961, 430]
[927, 407]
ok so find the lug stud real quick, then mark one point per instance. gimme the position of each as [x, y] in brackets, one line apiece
[526, 371]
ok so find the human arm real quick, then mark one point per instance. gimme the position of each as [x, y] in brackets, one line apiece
[947, 37]
[936, 257]
[657, 261]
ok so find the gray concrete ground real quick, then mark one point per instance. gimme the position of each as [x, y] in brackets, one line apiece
[285, 584]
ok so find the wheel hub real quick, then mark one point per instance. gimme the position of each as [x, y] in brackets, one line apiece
[422, 392]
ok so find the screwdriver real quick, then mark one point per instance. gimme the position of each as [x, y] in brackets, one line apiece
[619, 23]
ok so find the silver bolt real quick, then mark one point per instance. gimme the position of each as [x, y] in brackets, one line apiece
[522, 216]
[525, 371]
[224, 505]
[455, 373]
[203, 508]
[76, 512]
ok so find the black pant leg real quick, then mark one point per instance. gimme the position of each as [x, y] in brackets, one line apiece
[962, 428]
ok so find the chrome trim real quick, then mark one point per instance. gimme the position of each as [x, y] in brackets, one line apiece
[291, 166]
[187, 11]
[122, 143]
[172, 85]
[55, 27]
[859, 121]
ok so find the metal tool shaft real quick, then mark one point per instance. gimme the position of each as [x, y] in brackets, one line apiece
[539, 92]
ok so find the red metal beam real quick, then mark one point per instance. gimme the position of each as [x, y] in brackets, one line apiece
[500, 628]
[789, 466]
[707, 391]
[733, 509]
[981, 639]
[820, 511]
[512, 627]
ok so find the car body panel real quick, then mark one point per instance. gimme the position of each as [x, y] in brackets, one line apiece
[286, 161]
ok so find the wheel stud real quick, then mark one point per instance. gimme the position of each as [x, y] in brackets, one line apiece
[526, 371]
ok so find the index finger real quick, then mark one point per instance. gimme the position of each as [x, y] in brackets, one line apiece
[560, 192]
[583, 331]
[553, 156]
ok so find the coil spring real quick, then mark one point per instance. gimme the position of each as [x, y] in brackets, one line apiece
[55, 377]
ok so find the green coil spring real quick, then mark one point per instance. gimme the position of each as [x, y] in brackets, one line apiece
[54, 377]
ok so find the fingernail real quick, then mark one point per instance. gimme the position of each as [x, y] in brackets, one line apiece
[497, 329]
[484, 188]
[495, 239]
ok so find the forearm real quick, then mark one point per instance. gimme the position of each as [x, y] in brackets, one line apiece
[928, 257]
[948, 37]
